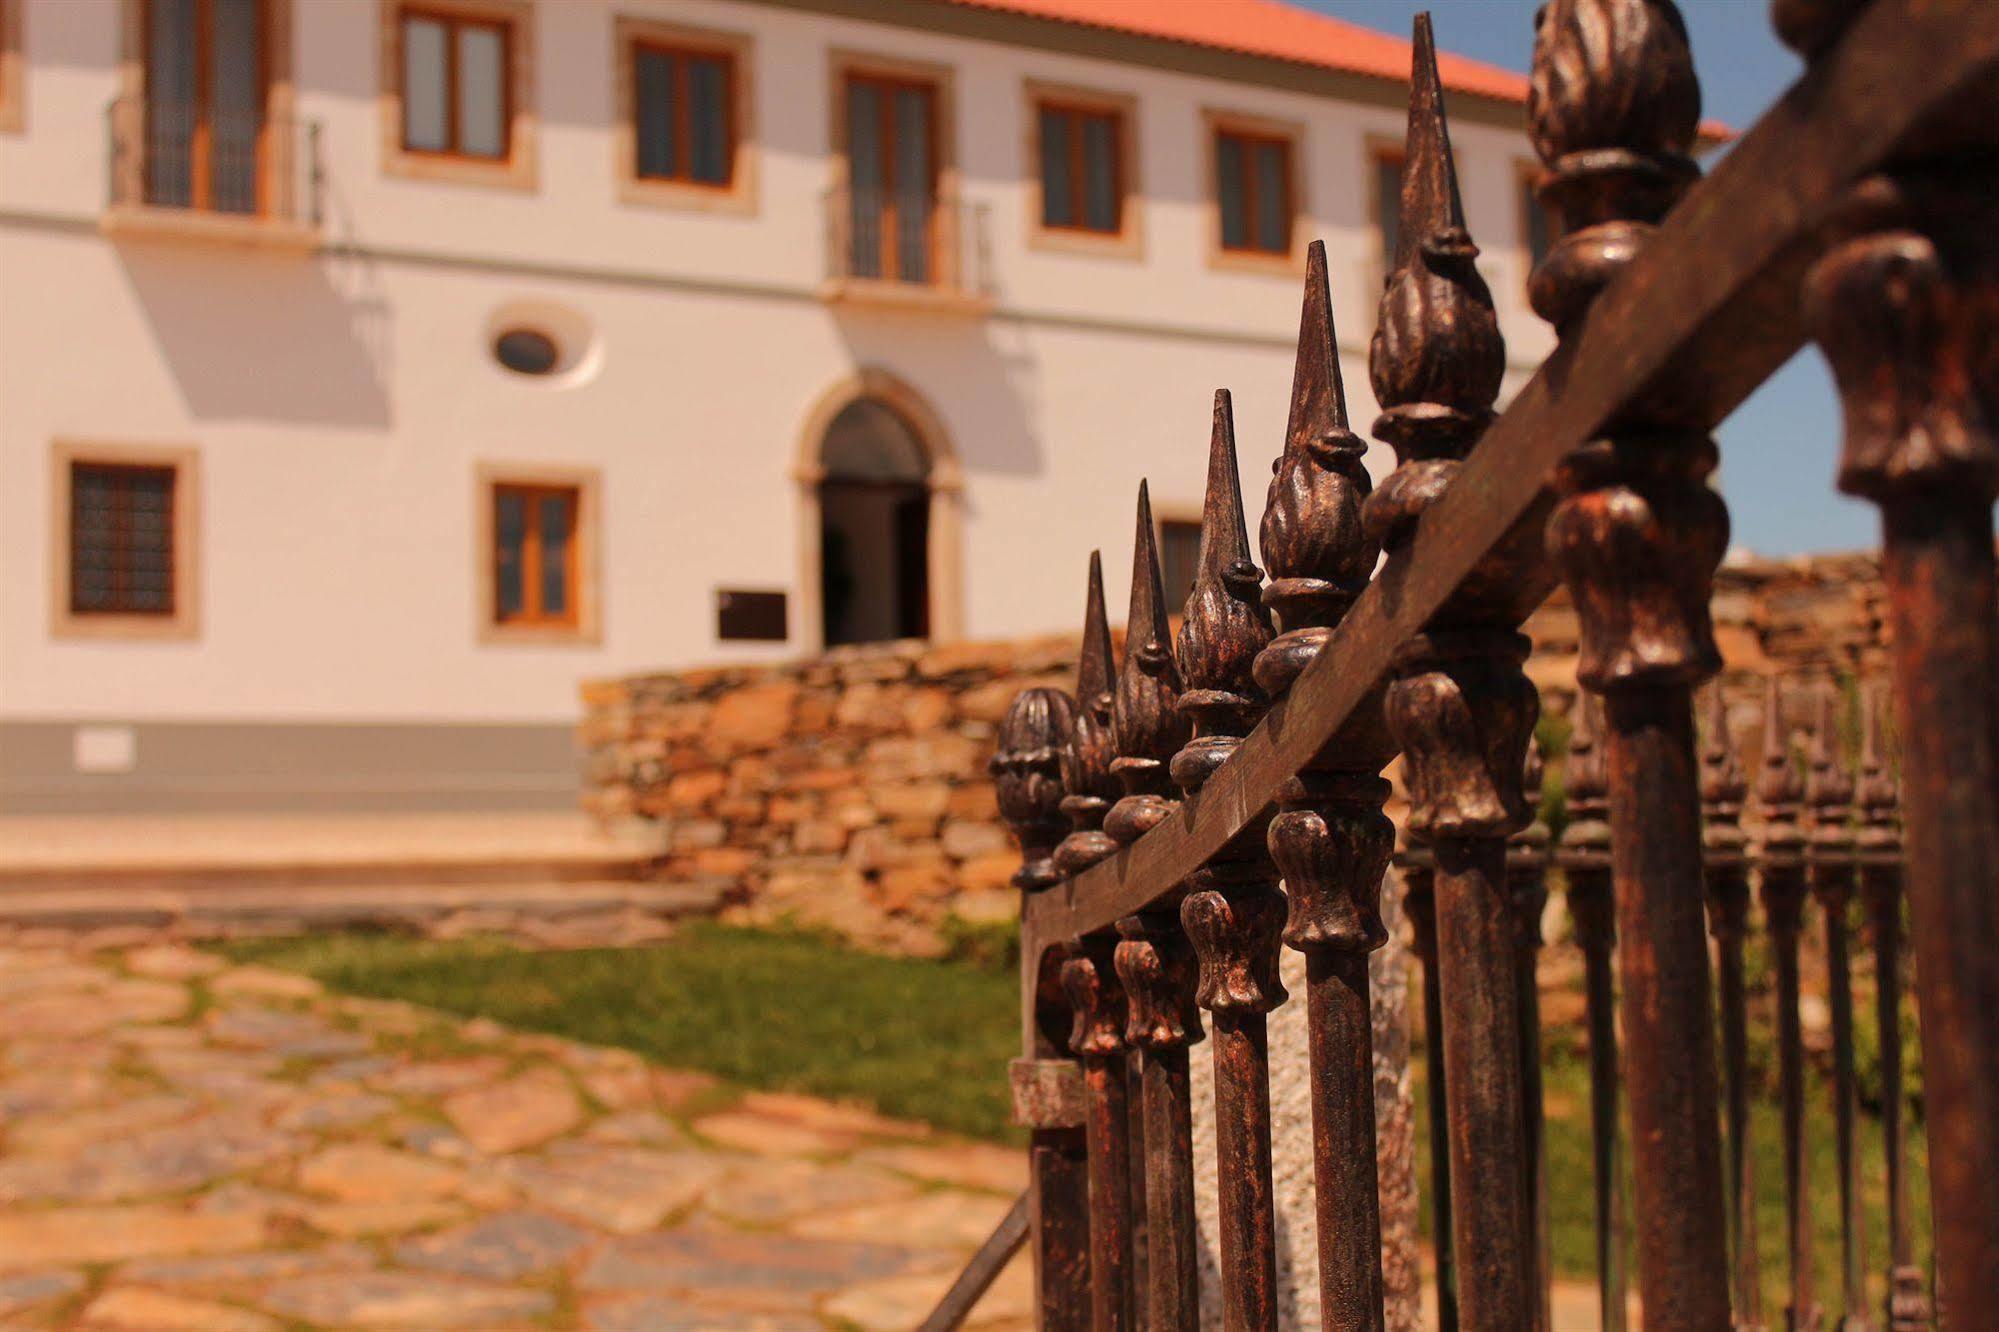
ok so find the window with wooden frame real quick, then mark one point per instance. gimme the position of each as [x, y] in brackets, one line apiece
[455, 95]
[1256, 195]
[684, 135]
[121, 539]
[125, 554]
[13, 67]
[892, 160]
[1385, 192]
[457, 90]
[1082, 167]
[1179, 560]
[683, 114]
[536, 560]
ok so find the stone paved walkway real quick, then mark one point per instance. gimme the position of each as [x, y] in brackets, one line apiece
[194, 1147]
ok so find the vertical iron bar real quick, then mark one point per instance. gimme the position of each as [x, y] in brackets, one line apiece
[1329, 838]
[1419, 901]
[1098, 1039]
[1154, 960]
[1090, 978]
[1637, 533]
[1879, 843]
[1585, 860]
[1905, 315]
[1723, 789]
[1026, 767]
[1829, 866]
[1527, 886]
[1458, 703]
[1234, 913]
[1780, 854]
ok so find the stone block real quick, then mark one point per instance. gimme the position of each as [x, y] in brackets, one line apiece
[692, 791]
[820, 837]
[965, 840]
[988, 873]
[754, 717]
[949, 659]
[916, 800]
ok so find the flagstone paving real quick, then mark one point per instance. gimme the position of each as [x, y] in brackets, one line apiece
[190, 1146]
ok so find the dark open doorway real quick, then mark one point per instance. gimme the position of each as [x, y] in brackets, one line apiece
[874, 514]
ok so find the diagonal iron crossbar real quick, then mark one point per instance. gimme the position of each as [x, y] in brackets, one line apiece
[1707, 311]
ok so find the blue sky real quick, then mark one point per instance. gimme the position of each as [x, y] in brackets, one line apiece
[1779, 449]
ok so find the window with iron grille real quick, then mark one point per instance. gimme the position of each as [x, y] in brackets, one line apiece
[121, 539]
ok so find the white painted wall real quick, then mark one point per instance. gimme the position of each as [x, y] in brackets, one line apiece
[341, 401]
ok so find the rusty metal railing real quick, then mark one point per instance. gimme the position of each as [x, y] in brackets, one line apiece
[241, 163]
[1236, 772]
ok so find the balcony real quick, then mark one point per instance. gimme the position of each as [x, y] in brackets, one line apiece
[180, 171]
[906, 251]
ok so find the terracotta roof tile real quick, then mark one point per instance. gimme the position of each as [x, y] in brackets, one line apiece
[1280, 31]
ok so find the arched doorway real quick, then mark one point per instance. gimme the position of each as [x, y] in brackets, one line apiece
[874, 526]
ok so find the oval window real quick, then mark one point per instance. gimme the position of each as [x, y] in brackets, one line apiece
[527, 351]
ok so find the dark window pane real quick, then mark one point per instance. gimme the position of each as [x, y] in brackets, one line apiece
[1388, 207]
[864, 177]
[556, 512]
[236, 113]
[1179, 558]
[654, 96]
[1057, 208]
[1100, 191]
[1540, 227]
[510, 540]
[912, 182]
[170, 102]
[426, 86]
[708, 130]
[1273, 209]
[1230, 186]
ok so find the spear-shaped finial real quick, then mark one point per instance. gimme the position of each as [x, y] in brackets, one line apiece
[1096, 668]
[1429, 171]
[1318, 393]
[1087, 783]
[1319, 554]
[1147, 727]
[1586, 779]
[1224, 625]
[1876, 792]
[1437, 358]
[1778, 789]
[1828, 788]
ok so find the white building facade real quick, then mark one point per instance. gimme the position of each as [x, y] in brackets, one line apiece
[373, 371]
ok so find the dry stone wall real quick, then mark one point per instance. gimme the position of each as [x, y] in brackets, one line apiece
[850, 790]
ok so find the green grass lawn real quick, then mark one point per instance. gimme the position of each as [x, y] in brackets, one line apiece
[784, 1011]
[930, 1041]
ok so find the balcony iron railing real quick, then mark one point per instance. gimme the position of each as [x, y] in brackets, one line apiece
[883, 242]
[243, 164]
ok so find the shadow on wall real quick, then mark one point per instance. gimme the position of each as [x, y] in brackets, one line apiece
[974, 372]
[275, 337]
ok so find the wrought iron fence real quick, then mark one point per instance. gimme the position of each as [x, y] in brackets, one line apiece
[1210, 799]
[178, 155]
